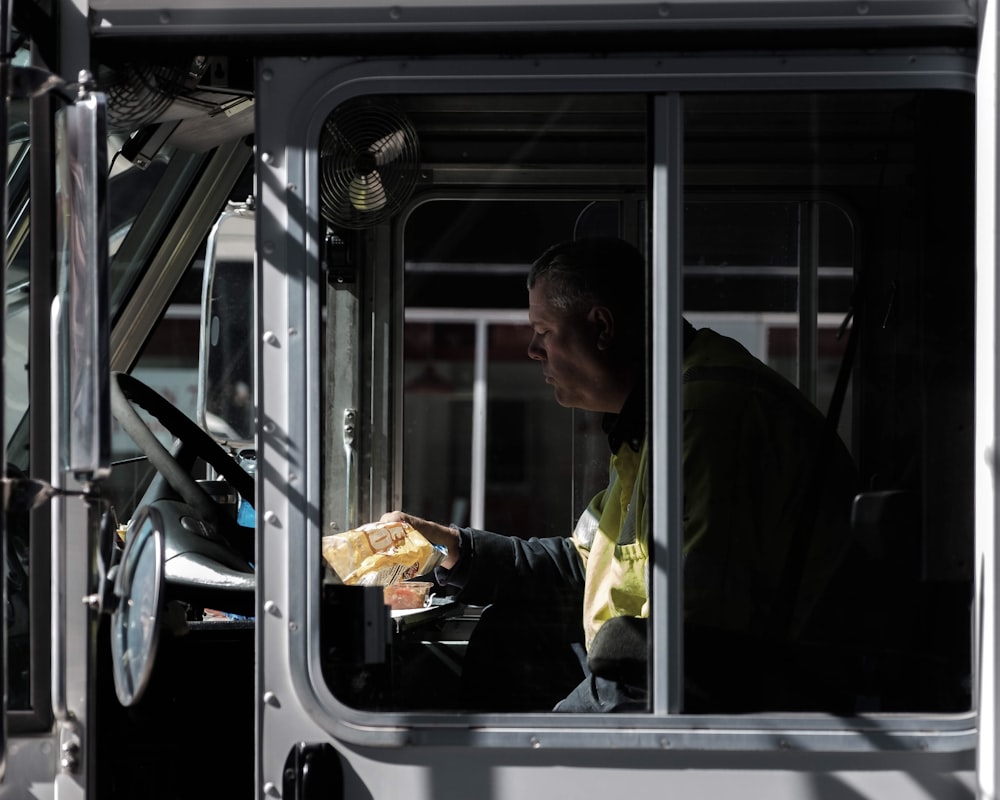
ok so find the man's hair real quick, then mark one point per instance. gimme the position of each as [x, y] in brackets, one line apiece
[597, 271]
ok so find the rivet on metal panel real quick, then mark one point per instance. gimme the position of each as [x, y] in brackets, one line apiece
[270, 607]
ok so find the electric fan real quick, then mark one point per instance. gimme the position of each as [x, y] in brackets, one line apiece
[140, 94]
[369, 163]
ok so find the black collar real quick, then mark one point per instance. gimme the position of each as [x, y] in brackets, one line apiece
[630, 425]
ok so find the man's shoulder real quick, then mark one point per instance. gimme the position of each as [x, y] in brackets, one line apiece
[719, 369]
[717, 358]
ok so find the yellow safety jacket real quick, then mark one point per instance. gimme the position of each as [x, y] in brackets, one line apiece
[612, 539]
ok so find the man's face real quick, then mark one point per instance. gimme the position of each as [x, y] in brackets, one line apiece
[572, 348]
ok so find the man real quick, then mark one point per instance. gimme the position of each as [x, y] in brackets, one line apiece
[767, 490]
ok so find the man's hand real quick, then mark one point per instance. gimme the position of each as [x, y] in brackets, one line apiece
[433, 532]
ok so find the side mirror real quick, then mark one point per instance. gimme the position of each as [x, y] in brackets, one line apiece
[138, 615]
[226, 407]
[80, 313]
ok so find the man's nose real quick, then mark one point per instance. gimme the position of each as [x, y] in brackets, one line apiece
[534, 351]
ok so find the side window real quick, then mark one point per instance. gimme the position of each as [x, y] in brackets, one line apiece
[812, 492]
[480, 441]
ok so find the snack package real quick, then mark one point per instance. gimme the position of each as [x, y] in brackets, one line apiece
[380, 554]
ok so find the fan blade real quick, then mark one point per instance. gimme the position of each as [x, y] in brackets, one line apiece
[367, 192]
[388, 147]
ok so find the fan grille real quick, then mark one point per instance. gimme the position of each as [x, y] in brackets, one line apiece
[369, 163]
[139, 94]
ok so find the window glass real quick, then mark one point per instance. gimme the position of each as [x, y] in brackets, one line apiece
[481, 441]
[806, 224]
[168, 361]
[141, 204]
[827, 400]
[168, 364]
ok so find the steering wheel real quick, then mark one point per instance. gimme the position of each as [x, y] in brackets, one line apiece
[127, 392]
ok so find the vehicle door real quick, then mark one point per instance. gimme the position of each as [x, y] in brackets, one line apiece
[401, 203]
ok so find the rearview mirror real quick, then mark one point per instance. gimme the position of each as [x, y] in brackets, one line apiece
[226, 407]
[81, 306]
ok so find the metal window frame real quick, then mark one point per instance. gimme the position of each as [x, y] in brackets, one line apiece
[291, 492]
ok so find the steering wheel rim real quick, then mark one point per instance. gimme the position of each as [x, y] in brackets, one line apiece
[128, 392]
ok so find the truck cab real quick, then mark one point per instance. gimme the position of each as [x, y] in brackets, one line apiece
[288, 295]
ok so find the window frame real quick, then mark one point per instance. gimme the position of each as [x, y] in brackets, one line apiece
[290, 265]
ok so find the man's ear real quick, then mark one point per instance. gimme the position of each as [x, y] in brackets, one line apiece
[603, 322]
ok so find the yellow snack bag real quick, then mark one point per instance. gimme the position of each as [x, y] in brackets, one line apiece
[380, 554]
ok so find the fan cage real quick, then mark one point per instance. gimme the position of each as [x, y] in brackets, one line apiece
[138, 94]
[369, 163]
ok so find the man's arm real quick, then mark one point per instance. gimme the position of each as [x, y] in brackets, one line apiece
[543, 571]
